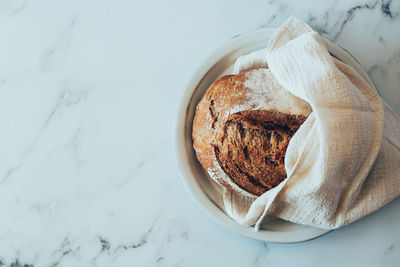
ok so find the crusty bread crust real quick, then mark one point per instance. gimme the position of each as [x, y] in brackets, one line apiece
[242, 128]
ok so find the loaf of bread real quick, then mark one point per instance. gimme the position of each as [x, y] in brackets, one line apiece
[241, 130]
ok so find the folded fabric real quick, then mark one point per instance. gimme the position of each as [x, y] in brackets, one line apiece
[344, 161]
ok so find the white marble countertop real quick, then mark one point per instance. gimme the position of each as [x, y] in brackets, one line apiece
[88, 91]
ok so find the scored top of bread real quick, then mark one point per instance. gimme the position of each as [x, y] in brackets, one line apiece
[242, 128]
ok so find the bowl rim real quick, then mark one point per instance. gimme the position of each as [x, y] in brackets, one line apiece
[187, 177]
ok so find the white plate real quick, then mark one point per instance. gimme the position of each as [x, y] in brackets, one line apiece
[203, 190]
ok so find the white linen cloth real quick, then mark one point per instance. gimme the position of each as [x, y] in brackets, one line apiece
[344, 161]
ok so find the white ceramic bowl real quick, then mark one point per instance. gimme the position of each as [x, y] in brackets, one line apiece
[205, 192]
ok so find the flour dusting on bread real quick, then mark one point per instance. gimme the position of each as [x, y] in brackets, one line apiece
[264, 92]
[241, 130]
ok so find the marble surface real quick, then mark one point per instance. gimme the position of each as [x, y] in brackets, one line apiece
[88, 95]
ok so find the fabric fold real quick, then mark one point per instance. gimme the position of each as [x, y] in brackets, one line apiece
[343, 162]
